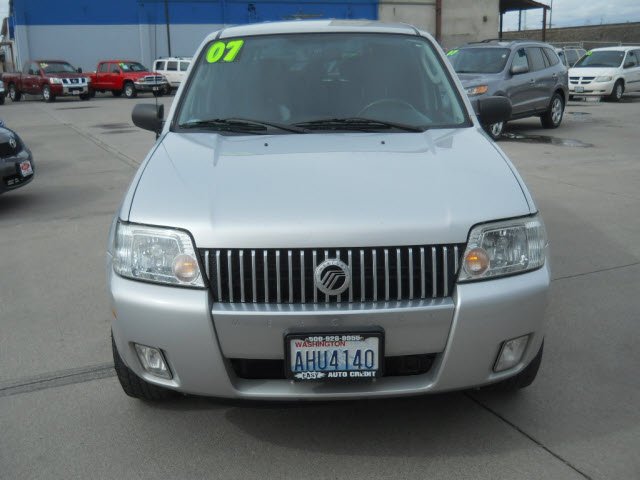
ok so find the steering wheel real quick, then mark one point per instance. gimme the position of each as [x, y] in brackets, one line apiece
[383, 101]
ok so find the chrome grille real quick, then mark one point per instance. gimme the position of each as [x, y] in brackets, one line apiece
[581, 80]
[287, 275]
[153, 79]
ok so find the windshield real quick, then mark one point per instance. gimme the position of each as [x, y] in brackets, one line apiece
[132, 67]
[601, 58]
[300, 78]
[479, 60]
[57, 67]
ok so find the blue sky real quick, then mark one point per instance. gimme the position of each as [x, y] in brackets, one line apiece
[569, 13]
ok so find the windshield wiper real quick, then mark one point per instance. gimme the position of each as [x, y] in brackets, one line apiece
[243, 124]
[356, 123]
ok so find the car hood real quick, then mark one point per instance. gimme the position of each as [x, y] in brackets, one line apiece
[66, 75]
[138, 74]
[474, 79]
[591, 71]
[327, 190]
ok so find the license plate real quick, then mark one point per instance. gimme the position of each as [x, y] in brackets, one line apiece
[579, 89]
[75, 92]
[25, 168]
[334, 356]
[155, 89]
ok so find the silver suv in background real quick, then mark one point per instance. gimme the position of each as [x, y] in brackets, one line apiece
[528, 73]
[322, 217]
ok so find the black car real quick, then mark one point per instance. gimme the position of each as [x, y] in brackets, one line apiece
[16, 161]
[528, 73]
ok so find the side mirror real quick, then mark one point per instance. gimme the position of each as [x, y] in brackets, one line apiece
[492, 110]
[518, 69]
[79, 70]
[148, 116]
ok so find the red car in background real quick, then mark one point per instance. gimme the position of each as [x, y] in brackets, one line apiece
[49, 78]
[128, 77]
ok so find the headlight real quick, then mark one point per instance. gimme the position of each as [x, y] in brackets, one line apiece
[55, 81]
[504, 248]
[604, 78]
[161, 255]
[476, 90]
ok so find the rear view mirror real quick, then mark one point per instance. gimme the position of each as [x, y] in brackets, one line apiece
[492, 110]
[518, 69]
[148, 116]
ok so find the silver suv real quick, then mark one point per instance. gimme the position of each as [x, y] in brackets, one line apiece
[529, 74]
[323, 217]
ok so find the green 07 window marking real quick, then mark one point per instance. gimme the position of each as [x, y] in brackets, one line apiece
[225, 51]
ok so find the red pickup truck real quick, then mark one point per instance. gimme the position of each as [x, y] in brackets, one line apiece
[49, 78]
[128, 77]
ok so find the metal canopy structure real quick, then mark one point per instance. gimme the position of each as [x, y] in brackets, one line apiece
[520, 5]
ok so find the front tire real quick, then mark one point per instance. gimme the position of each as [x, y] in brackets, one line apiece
[14, 94]
[130, 90]
[495, 130]
[553, 117]
[47, 96]
[617, 92]
[133, 385]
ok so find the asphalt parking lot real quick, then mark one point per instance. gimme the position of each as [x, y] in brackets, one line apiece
[64, 415]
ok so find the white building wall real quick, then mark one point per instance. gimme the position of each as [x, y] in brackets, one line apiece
[462, 20]
[418, 13]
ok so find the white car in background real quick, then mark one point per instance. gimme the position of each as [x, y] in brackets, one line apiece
[173, 68]
[606, 72]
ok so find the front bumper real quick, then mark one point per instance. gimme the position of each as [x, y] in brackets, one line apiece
[465, 332]
[593, 89]
[71, 90]
[10, 176]
[150, 87]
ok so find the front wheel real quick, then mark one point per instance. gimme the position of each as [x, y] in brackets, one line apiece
[14, 94]
[616, 93]
[130, 90]
[47, 95]
[495, 130]
[552, 117]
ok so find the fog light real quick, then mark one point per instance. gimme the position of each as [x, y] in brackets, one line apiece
[511, 353]
[153, 361]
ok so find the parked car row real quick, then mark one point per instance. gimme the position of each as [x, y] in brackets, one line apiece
[54, 78]
[534, 76]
